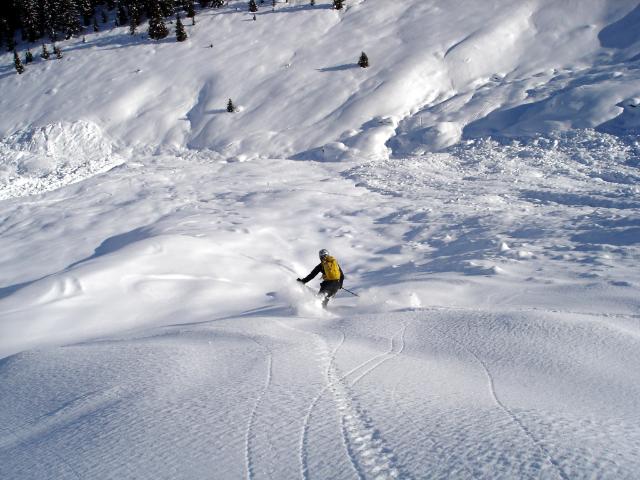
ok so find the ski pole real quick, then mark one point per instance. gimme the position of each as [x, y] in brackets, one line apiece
[354, 294]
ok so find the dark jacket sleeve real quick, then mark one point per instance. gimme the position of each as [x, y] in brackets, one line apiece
[313, 273]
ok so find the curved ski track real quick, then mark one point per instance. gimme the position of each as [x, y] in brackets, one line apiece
[362, 442]
[507, 411]
[252, 418]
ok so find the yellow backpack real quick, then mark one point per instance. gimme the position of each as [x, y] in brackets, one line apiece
[331, 270]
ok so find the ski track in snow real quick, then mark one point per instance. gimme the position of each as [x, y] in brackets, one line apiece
[363, 443]
[249, 437]
[304, 434]
[507, 411]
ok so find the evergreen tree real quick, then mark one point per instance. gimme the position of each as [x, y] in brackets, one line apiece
[68, 18]
[134, 14]
[191, 10]
[252, 6]
[17, 63]
[122, 15]
[217, 3]
[157, 28]
[167, 7]
[57, 51]
[45, 52]
[30, 20]
[87, 9]
[338, 4]
[28, 57]
[363, 61]
[181, 34]
[230, 106]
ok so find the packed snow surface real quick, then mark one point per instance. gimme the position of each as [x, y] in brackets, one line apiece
[479, 185]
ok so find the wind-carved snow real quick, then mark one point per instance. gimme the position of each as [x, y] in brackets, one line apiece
[36, 160]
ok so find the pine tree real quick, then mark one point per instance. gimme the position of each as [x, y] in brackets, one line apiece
[191, 10]
[17, 63]
[217, 3]
[28, 57]
[363, 61]
[338, 4]
[69, 18]
[57, 51]
[30, 20]
[122, 15]
[157, 28]
[167, 7]
[230, 106]
[252, 6]
[87, 9]
[45, 52]
[181, 34]
[134, 18]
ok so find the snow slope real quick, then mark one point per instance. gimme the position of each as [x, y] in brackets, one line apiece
[438, 73]
[150, 321]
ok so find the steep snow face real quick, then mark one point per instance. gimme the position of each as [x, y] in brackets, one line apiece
[439, 72]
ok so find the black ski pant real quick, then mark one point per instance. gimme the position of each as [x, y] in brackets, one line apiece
[329, 288]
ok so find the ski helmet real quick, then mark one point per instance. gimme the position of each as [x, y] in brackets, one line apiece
[323, 253]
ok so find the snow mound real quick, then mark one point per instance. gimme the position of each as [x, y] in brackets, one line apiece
[36, 160]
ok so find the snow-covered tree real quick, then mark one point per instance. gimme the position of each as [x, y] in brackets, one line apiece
[69, 18]
[363, 61]
[230, 106]
[157, 28]
[17, 63]
[338, 4]
[167, 7]
[191, 9]
[57, 51]
[181, 34]
[28, 57]
[45, 53]
[31, 20]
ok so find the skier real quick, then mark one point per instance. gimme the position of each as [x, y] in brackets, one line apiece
[332, 276]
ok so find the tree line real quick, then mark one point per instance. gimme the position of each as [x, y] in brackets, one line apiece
[32, 20]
